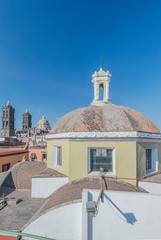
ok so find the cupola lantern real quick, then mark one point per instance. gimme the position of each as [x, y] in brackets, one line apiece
[101, 79]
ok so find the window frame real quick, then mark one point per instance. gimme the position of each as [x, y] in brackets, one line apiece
[148, 159]
[154, 160]
[4, 167]
[33, 159]
[55, 158]
[97, 172]
[42, 153]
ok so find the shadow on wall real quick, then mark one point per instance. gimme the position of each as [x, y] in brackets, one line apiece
[90, 220]
[9, 182]
[127, 217]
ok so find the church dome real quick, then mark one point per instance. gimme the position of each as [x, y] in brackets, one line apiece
[106, 118]
[43, 123]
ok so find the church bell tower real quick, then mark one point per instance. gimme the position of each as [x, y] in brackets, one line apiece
[8, 120]
[26, 121]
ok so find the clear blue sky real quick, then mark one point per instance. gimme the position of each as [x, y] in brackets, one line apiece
[50, 49]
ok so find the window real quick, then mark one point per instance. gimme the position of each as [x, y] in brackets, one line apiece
[101, 158]
[5, 167]
[33, 156]
[43, 157]
[148, 159]
[56, 156]
[101, 93]
[151, 160]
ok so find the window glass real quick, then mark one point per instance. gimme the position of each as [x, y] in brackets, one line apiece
[5, 167]
[56, 156]
[148, 159]
[101, 158]
[59, 160]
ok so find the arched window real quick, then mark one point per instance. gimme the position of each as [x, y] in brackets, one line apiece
[101, 92]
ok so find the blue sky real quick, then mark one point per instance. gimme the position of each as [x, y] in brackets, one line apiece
[50, 49]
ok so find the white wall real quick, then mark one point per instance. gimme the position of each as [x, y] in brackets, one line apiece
[155, 159]
[63, 223]
[122, 215]
[44, 187]
[154, 188]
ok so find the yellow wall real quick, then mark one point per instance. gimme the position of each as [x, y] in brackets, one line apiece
[74, 158]
[65, 156]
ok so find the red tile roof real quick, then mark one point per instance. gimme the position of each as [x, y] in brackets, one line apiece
[106, 118]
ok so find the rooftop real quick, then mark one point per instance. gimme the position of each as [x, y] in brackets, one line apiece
[48, 172]
[73, 191]
[14, 217]
[11, 150]
[154, 178]
[21, 174]
[106, 118]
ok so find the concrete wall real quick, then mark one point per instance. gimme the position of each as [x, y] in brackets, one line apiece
[141, 157]
[44, 187]
[122, 215]
[75, 156]
[3, 176]
[63, 223]
[154, 188]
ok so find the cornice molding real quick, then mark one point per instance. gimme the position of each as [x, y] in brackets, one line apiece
[104, 135]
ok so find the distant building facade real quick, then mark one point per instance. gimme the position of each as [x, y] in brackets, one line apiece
[8, 120]
[26, 121]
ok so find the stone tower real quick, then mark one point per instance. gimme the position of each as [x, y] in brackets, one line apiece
[26, 121]
[8, 121]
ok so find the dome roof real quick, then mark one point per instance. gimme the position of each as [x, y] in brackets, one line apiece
[75, 188]
[21, 173]
[43, 120]
[106, 118]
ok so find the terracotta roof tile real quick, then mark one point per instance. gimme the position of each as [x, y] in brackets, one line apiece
[153, 178]
[107, 118]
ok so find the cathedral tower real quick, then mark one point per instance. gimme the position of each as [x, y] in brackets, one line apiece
[26, 121]
[8, 121]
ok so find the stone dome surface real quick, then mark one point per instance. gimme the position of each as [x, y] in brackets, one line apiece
[43, 124]
[43, 120]
[106, 118]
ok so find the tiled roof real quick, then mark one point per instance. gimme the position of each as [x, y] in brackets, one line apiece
[21, 174]
[48, 172]
[154, 178]
[106, 118]
[73, 191]
[14, 217]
